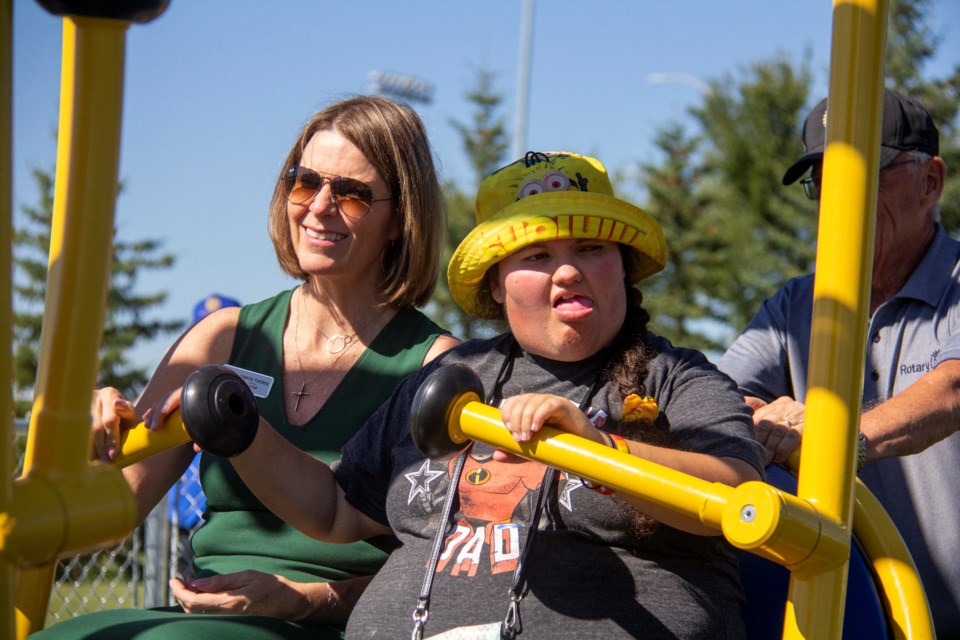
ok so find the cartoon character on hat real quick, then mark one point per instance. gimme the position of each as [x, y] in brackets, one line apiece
[548, 196]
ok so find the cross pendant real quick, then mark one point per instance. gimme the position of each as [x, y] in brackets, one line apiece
[299, 395]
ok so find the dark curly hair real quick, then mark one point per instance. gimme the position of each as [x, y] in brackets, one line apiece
[629, 363]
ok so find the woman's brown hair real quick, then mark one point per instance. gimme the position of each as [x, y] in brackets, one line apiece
[393, 139]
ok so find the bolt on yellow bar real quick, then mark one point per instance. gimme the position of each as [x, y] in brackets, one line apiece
[841, 294]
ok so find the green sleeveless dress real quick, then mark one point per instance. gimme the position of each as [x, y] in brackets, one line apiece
[239, 532]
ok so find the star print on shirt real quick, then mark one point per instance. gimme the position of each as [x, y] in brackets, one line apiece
[598, 417]
[420, 480]
[572, 483]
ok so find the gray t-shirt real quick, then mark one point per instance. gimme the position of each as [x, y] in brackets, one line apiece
[591, 573]
[908, 335]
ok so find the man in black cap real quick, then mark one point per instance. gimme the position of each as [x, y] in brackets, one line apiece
[911, 387]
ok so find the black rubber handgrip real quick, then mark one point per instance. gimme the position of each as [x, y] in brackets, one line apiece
[219, 411]
[140, 11]
[430, 414]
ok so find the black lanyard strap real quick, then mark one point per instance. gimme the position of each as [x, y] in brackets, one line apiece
[511, 625]
[422, 612]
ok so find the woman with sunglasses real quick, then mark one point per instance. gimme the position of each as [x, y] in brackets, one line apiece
[357, 216]
[557, 256]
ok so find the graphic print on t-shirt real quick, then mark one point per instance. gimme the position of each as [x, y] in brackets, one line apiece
[491, 513]
[496, 503]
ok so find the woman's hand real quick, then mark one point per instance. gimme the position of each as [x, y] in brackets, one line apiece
[525, 414]
[779, 426]
[258, 593]
[111, 413]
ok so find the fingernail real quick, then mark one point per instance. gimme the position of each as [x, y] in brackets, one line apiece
[199, 582]
[112, 453]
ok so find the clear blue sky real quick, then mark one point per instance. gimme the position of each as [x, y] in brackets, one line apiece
[217, 89]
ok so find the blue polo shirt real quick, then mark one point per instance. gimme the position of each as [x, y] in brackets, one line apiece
[908, 335]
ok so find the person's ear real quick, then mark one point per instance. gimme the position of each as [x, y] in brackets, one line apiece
[934, 176]
[493, 280]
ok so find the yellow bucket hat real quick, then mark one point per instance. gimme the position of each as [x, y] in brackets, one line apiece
[574, 199]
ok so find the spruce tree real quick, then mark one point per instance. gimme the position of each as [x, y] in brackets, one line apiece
[485, 141]
[735, 233]
[128, 312]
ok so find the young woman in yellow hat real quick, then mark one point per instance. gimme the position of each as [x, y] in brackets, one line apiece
[556, 255]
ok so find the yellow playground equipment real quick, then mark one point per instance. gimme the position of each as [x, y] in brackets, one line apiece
[830, 529]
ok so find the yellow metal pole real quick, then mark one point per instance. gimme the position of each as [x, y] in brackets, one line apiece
[841, 296]
[63, 504]
[139, 442]
[7, 568]
[902, 593]
[900, 590]
[81, 238]
[754, 516]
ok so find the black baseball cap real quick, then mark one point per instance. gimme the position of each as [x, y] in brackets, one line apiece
[907, 126]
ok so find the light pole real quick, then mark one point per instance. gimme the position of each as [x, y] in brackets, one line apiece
[523, 81]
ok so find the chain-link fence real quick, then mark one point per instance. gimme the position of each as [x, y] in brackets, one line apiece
[135, 573]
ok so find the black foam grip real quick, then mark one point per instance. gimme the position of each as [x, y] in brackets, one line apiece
[435, 400]
[140, 11]
[219, 411]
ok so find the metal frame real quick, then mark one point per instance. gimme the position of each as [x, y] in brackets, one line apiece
[47, 514]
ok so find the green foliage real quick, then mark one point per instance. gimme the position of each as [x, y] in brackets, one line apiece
[485, 142]
[127, 310]
[674, 297]
[734, 233]
[751, 129]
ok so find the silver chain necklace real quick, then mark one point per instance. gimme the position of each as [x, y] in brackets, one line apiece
[337, 343]
[345, 343]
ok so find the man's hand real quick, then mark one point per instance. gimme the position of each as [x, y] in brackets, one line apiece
[779, 426]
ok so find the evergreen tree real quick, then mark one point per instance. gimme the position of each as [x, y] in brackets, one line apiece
[769, 231]
[485, 141]
[734, 232]
[675, 297]
[126, 314]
